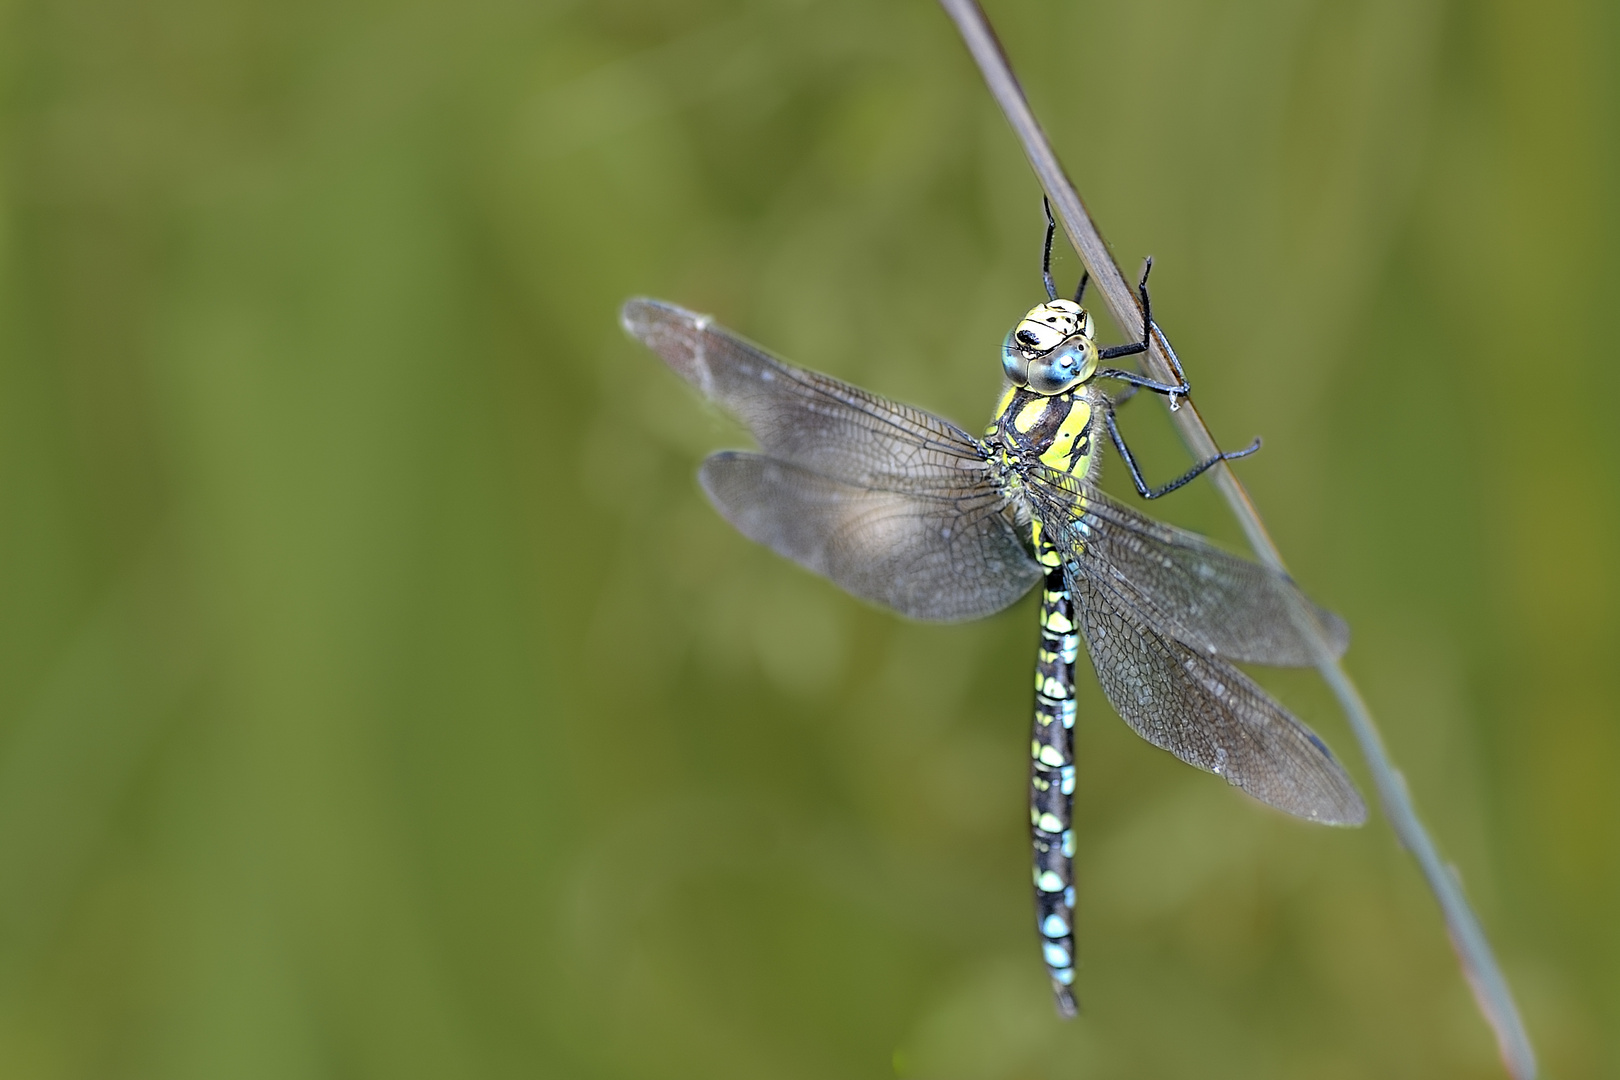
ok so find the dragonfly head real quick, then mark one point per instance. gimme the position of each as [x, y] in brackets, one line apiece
[1052, 349]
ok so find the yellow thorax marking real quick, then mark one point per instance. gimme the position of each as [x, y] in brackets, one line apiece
[1062, 454]
[1004, 404]
[1031, 414]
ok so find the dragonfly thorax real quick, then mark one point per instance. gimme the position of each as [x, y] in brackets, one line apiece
[1053, 431]
[1052, 349]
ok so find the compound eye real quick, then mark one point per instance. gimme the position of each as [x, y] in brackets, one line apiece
[1058, 371]
[1013, 362]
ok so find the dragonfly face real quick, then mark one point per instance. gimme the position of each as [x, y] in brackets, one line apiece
[908, 510]
[1052, 349]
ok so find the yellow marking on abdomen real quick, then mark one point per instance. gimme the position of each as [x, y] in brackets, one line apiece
[1045, 553]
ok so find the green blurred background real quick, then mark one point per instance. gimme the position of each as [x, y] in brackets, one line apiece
[380, 698]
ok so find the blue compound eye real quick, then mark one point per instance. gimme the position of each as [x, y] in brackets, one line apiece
[1013, 361]
[1057, 371]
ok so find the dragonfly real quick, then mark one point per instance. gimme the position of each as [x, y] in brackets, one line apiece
[911, 512]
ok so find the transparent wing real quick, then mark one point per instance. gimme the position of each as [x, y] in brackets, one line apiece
[806, 418]
[1208, 713]
[1208, 599]
[934, 557]
[892, 503]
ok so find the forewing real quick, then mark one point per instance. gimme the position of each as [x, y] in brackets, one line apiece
[1208, 713]
[807, 418]
[930, 557]
[1208, 599]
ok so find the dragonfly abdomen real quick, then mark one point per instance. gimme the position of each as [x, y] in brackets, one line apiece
[1051, 787]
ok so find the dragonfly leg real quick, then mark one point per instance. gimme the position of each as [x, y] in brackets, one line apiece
[1142, 487]
[1172, 390]
[1124, 395]
[1114, 352]
[1046, 259]
[1051, 788]
[1046, 250]
[1080, 289]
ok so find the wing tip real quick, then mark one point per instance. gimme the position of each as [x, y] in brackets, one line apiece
[1350, 810]
[680, 337]
[1342, 809]
[1336, 803]
[640, 314]
[1345, 808]
[1358, 819]
[1351, 813]
[1335, 631]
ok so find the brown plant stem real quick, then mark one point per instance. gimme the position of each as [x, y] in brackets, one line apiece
[1484, 975]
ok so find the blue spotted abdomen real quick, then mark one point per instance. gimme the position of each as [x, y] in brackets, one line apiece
[1051, 787]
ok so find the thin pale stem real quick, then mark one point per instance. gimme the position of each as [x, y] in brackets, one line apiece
[1484, 975]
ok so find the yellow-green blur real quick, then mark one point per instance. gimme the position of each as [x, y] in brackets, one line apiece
[380, 697]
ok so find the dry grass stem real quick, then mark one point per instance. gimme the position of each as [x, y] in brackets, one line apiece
[1479, 964]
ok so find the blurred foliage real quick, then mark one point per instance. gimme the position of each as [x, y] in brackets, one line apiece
[379, 697]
